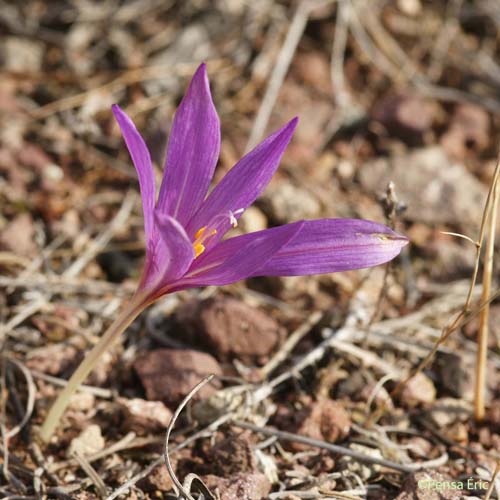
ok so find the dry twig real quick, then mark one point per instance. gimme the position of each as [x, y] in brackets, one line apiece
[482, 348]
[341, 450]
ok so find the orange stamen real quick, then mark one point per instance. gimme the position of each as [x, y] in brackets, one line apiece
[198, 245]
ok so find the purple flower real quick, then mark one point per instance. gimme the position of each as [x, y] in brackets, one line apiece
[184, 228]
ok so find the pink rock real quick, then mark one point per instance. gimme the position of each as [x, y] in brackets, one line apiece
[168, 375]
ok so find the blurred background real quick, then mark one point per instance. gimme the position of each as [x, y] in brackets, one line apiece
[404, 91]
[399, 123]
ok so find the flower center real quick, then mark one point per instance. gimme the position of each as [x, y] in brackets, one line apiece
[219, 221]
[199, 239]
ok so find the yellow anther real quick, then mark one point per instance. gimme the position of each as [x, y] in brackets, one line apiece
[199, 248]
[199, 232]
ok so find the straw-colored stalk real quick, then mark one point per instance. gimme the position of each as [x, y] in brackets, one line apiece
[137, 304]
[482, 339]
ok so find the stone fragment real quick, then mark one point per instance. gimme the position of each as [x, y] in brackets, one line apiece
[313, 69]
[53, 359]
[82, 402]
[457, 376]
[435, 189]
[449, 259]
[407, 117]
[18, 236]
[88, 442]
[446, 411]
[168, 375]
[419, 447]
[410, 7]
[241, 486]
[418, 390]
[230, 328]
[87, 495]
[325, 420]
[252, 220]
[364, 470]
[158, 480]
[231, 456]
[469, 130]
[145, 416]
[22, 54]
[286, 202]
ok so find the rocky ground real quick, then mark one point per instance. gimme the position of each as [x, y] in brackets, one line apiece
[398, 104]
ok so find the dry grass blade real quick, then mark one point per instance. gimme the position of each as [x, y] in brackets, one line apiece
[205, 432]
[290, 344]
[285, 56]
[342, 96]
[312, 495]
[135, 479]
[341, 450]
[3, 418]
[59, 284]
[181, 488]
[464, 316]
[30, 400]
[129, 441]
[385, 52]
[104, 238]
[59, 382]
[91, 473]
[26, 311]
[458, 235]
[482, 351]
[130, 77]
[492, 482]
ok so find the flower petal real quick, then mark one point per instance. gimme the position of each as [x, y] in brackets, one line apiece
[142, 162]
[169, 254]
[237, 258]
[331, 245]
[192, 153]
[241, 185]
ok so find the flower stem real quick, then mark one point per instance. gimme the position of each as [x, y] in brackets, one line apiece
[136, 305]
